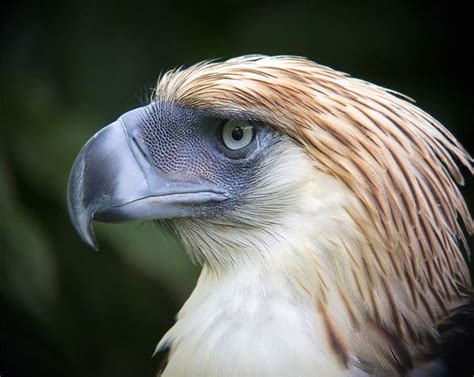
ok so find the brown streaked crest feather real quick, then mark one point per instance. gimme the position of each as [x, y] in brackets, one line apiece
[399, 162]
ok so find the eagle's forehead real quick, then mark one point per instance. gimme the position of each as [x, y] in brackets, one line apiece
[250, 81]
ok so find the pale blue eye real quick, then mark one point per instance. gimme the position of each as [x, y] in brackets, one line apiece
[237, 134]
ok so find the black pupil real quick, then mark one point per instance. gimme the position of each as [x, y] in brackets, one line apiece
[237, 133]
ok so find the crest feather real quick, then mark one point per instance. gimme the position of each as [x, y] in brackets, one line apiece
[400, 163]
[397, 159]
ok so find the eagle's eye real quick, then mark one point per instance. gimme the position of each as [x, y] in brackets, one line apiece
[237, 134]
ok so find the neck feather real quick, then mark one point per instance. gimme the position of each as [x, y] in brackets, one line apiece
[323, 256]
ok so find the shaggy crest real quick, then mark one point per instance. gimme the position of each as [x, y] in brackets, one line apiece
[399, 162]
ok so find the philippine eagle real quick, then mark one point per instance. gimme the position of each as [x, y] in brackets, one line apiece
[324, 210]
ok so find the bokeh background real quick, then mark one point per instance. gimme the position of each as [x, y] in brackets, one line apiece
[68, 68]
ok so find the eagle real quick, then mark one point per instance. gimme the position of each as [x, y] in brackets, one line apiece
[325, 212]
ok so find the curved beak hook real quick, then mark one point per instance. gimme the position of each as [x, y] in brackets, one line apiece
[113, 180]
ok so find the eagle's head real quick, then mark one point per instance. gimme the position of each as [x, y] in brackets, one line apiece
[336, 190]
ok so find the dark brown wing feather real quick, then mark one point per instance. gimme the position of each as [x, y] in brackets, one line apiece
[163, 357]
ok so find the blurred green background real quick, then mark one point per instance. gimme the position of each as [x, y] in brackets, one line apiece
[68, 68]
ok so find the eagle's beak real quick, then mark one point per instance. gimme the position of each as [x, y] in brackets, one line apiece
[113, 180]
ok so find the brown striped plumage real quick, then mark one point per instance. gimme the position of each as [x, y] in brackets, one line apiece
[405, 269]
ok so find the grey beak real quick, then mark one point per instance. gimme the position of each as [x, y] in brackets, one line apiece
[112, 180]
